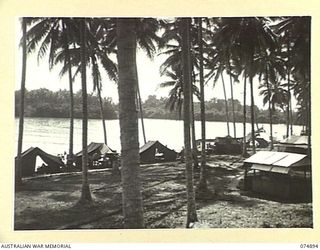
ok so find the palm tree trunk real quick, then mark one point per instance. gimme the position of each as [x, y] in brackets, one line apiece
[130, 170]
[226, 102]
[203, 180]
[141, 114]
[270, 109]
[18, 169]
[232, 101]
[71, 112]
[193, 134]
[85, 193]
[253, 136]
[102, 115]
[191, 204]
[244, 145]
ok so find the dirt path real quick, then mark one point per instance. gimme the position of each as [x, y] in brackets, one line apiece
[49, 202]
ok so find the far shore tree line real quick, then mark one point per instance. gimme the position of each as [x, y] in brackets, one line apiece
[45, 103]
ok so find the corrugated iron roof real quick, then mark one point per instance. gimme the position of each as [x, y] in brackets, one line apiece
[296, 139]
[280, 159]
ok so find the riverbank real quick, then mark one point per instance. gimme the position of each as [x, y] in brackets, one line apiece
[49, 202]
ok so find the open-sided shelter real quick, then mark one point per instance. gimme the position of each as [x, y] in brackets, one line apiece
[279, 174]
[154, 151]
[28, 161]
[294, 144]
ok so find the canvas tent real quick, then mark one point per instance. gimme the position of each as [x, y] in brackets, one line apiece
[227, 145]
[96, 151]
[154, 151]
[279, 174]
[28, 161]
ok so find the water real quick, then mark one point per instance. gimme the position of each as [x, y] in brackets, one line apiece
[52, 134]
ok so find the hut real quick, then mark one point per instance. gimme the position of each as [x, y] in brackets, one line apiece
[227, 145]
[154, 151]
[28, 161]
[294, 144]
[278, 174]
[100, 155]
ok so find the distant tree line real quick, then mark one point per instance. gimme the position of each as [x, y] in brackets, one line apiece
[45, 103]
[215, 111]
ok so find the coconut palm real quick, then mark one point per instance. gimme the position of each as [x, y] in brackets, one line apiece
[18, 170]
[55, 36]
[85, 191]
[247, 38]
[203, 181]
[131, 184]
[272, 69]
[295, 34]
[191, 207]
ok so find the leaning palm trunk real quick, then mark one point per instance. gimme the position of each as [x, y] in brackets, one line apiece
[226, 103]
[203, 179]
[102, 115]
[191, 204]
[71, 112]
[18, 170]
[85, 194]
[244, 142]
[130, 169]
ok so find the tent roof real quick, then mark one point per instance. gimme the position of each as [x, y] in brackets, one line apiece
[35, 151]
[93, 146]
[280, 159]
[149, 144]
[296, 140]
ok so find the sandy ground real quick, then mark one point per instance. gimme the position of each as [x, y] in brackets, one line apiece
[50, 202]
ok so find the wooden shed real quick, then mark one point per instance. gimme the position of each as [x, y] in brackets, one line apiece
[279, 174]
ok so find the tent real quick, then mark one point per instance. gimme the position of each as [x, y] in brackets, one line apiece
[227, 145]
[279, 174]
[28, 160]
[294, 144]
[154, 151]
[96, 151]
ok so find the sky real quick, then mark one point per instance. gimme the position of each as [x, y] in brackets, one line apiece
[39, 76]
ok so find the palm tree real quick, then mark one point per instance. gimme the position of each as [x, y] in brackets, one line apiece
[203, 180]
[271, 67]
[174, 52]
[191, 206]
[130, 169]
[246, 37]
[85, 191]
[295, 32]
[18, 170]
[55, 35]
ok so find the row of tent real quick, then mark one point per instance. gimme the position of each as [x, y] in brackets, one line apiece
[151, 152]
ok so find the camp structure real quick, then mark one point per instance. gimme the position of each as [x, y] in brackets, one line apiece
[154, 151]
[227, 145]
[294, 144]
[279, 174]
[99, 156]
[28, 162]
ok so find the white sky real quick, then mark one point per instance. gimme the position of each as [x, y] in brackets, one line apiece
[39, 76]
